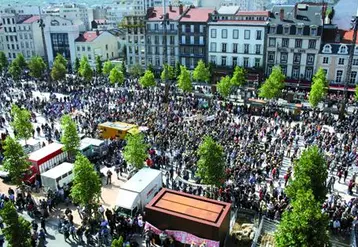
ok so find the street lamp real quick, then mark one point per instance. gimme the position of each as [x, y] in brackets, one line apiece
[42, 26]
[354, 27]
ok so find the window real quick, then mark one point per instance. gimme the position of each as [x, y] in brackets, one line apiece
[308, 73]
[339, 75]
[88, 48]
[285, 42]
[235, 34]
[258, 49]
[325, 60]
[234, 61]
[106, 47]
[299, 31]
[312, 44]
[224, 33]
[327, 49]
[192, 40]
[223, 61]
[272, 30]
[286, 30]
[296, 58]
[247, 34]
[283, 58]
[341, 61]
[246, 62]
[269, 69]
[310, 59]
[25, 35]
[182, 39]
[234, 48]
[271, 56]
[171, 40]
[257, 62]
[258, 34]
[20, 36]
[156, 26]
[192, 28]
[213, 33]
[89, 57]
[213, 59]
[313, 31]
[201, 40]
[83, 48]
[223, 47]
[298, 43]
[272, 42]
[355, 61]
[353, 78]
[295, 72]
[172, 27]
[213, 47]
[343, 49]
[284, 70]
[246, 48]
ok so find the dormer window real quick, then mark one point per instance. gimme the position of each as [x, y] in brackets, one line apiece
[286, 30]
[343, 49]
[313, 31]
[327, 49]
[299, 30]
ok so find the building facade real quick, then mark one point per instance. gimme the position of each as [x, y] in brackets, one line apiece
[96, 43]
[193, 38]
[237, 38]
[294, 40]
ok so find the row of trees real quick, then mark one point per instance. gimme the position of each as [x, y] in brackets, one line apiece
[304, 224]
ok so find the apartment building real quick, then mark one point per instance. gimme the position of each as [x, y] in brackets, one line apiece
[333, 56]
[193, 36]
[21, 34]
[20, 9]
[97, 43]
[294, 40]
[237, 38]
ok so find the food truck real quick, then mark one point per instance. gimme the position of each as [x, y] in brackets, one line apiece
[57, 176]
[114, 130]
[98, 147]
[43, 160]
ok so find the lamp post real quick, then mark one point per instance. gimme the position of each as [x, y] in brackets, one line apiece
[42, 26]
[165, 22]
[354, 26]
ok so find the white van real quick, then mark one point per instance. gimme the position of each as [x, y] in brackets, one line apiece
[57, 176]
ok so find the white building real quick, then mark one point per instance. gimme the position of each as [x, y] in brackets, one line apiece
[20, 9]
[237, 38]
[60, 35]
[21, 34]
[72, 12]
[97, 43]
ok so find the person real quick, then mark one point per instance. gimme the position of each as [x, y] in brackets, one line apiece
[2, 239]
[42, 238]
[101, 210]
[43, 224]
[148, 237]
[109, 177]
[162, 236]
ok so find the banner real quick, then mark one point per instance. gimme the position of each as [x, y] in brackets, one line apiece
[184, 237]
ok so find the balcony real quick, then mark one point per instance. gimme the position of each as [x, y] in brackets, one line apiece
[154, 31]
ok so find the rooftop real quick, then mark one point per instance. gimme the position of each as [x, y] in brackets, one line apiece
[88, 36]
[118, 125]
[157, 13]
[31, 19]
[141, 179]
[194, 208]
[45, 151]
[197, 15]
[330, 36]
[58, 170]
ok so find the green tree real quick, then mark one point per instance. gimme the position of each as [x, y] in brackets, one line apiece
[304, 225]
[239, 77]
[3, 62]
[21, 122]
[151, 68]
[116, 76]
[211, 164]
[85, 69]
[201, 72]
[15, 160]
[20, 60]
[99, 65]
[123, 69]
[77, 65]
[177, 69]
[147, 80]
[117, 242]
[136, 70]
[17, 230]
[86, 188]
[170, 73]
[224, 86]
[356, 93]
[15, 70]
[107, 67]
[58, 71]
[319, 88]
[37, 67]
[69, 137]
[310, 173]
[184, 80]
[136, 150]
[273, 85]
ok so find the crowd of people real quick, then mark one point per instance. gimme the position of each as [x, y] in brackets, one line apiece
[260, 145]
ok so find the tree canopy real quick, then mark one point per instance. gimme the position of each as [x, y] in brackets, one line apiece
[107, 67]
[147, 80]
[136, 70]
[211, 164]
[20, 60]
[184, 80]
[136, 150]
[170, 73]
[17, 230]
[319, 88]
[201, 72]
[37, 67]
[59, 70]
[239, 77]
[77, 65]
[177, 69]
[273, 85]
[99, 65]
[86, 189]
[224, 86]
[116, 76]
[85, 70]
[3, 61]
[356, 93]
[15, 70]
[21, 122]
[15, 160]
[69, 135]
[123, 69]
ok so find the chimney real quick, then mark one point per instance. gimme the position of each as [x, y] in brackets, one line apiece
[282, 14]
[180, 9]
[170, 8]
[97, 32]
